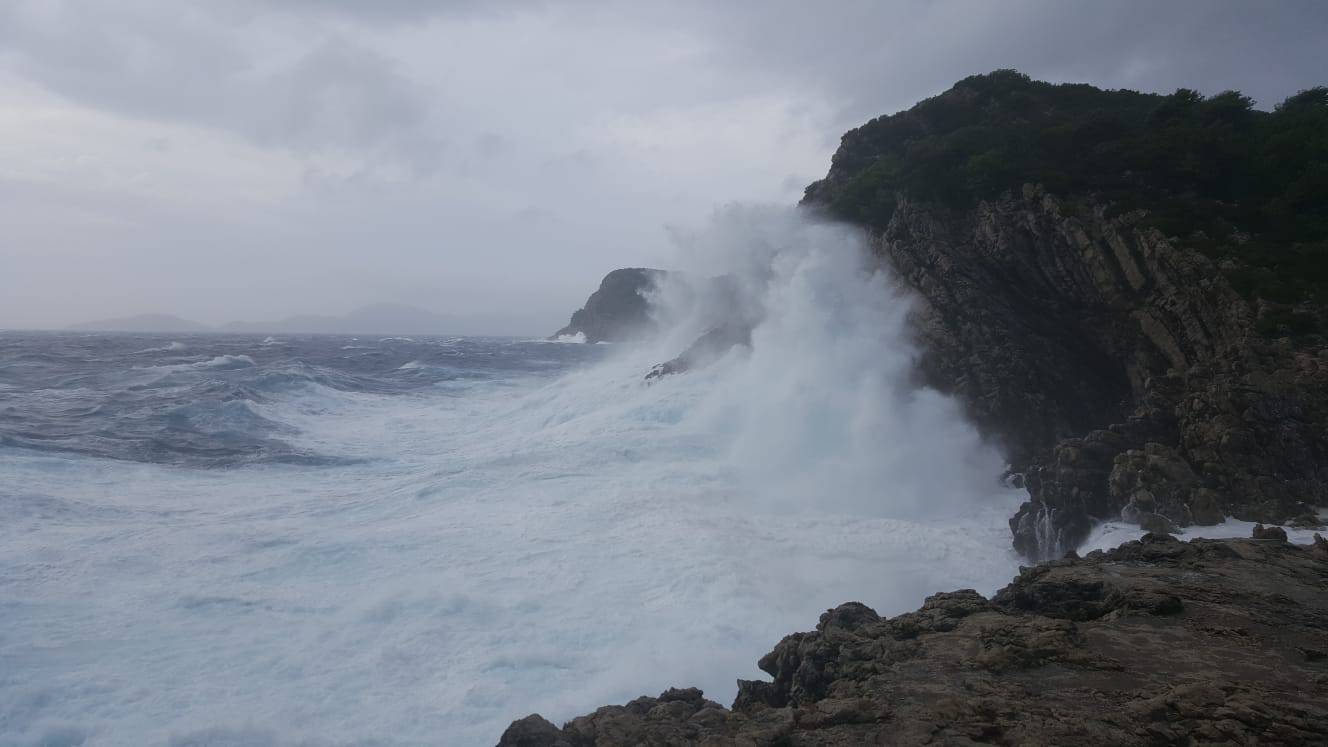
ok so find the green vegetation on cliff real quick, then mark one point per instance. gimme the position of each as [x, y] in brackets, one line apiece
[1249, 188]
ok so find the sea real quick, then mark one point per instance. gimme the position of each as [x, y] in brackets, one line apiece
[249, 540]
[270, 540]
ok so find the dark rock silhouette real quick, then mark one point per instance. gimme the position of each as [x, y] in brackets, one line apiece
[618, 310]
[1262, 532]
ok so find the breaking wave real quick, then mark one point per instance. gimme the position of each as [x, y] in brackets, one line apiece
[343, 541]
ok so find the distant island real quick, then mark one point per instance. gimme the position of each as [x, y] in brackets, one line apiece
[142, 323]
[383, 318]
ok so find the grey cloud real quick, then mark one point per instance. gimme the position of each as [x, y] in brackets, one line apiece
[338, 94]
[406, 11]
[880, 57]
[191, 65]
[307, 156]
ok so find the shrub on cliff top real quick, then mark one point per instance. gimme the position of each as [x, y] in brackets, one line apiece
[1240, 184]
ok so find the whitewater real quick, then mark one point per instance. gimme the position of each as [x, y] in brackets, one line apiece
[237, 540]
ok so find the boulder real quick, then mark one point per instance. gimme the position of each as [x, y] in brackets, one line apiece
[533, 731]
[1269, 533]
[1320, 547]
[1204, 507]
[1157, 524]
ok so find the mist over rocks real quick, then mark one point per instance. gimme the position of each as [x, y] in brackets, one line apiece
[625, 308]
[1156, 642]
[714, 343]
[1146, 341]
[618, 310]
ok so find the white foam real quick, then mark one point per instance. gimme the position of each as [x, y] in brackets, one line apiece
[1113, 533]
[507, 546]
[172, 347]
[226, 361]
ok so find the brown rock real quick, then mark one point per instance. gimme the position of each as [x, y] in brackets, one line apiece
[1205, 508]
[1052, 316]
[1157, 524]
[1320, 547]
[533, 731]
[1269, 533]
[1135, 646]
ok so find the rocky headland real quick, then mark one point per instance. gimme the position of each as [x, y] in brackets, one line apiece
[618, 310]
[1129, 293]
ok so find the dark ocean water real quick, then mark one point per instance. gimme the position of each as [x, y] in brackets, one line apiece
[189, 399]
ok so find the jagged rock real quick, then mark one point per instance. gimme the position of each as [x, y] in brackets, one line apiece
[1157, 524]
[533, 731]
[619, 309]
[1306, 521]
[1320, 547]
[1204, 507]
[1156, 642]
[1060, 317]
[1262, 532]
[1105, 357]
[1153, 480]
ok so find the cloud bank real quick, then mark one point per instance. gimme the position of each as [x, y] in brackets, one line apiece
[260, 159]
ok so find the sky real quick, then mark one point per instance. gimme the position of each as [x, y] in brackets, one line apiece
[250, 159]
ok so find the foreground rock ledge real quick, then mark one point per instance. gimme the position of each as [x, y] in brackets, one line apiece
[1156, 642]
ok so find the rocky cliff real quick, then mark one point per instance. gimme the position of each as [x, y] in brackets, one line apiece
[1120, 370]
[618, 310]
[1105, 279]
[1156, 642]
[1128, 291]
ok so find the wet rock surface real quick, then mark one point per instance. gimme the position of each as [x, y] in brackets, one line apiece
[1156, 642]
[1115, 365]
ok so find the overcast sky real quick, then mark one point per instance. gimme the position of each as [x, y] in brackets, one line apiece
[241, 159]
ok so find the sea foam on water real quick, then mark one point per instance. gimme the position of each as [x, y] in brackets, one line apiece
[547, 537]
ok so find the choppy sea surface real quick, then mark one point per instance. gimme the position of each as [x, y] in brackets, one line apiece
[243, 540]
[240, 540]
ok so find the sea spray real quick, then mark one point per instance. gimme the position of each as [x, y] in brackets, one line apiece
[822, 411]
[508, 527]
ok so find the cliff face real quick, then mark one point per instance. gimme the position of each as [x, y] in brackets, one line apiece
[1130, 293]
[618, 309]
[1127, 290]
[1117, 368]
[1156, 642]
